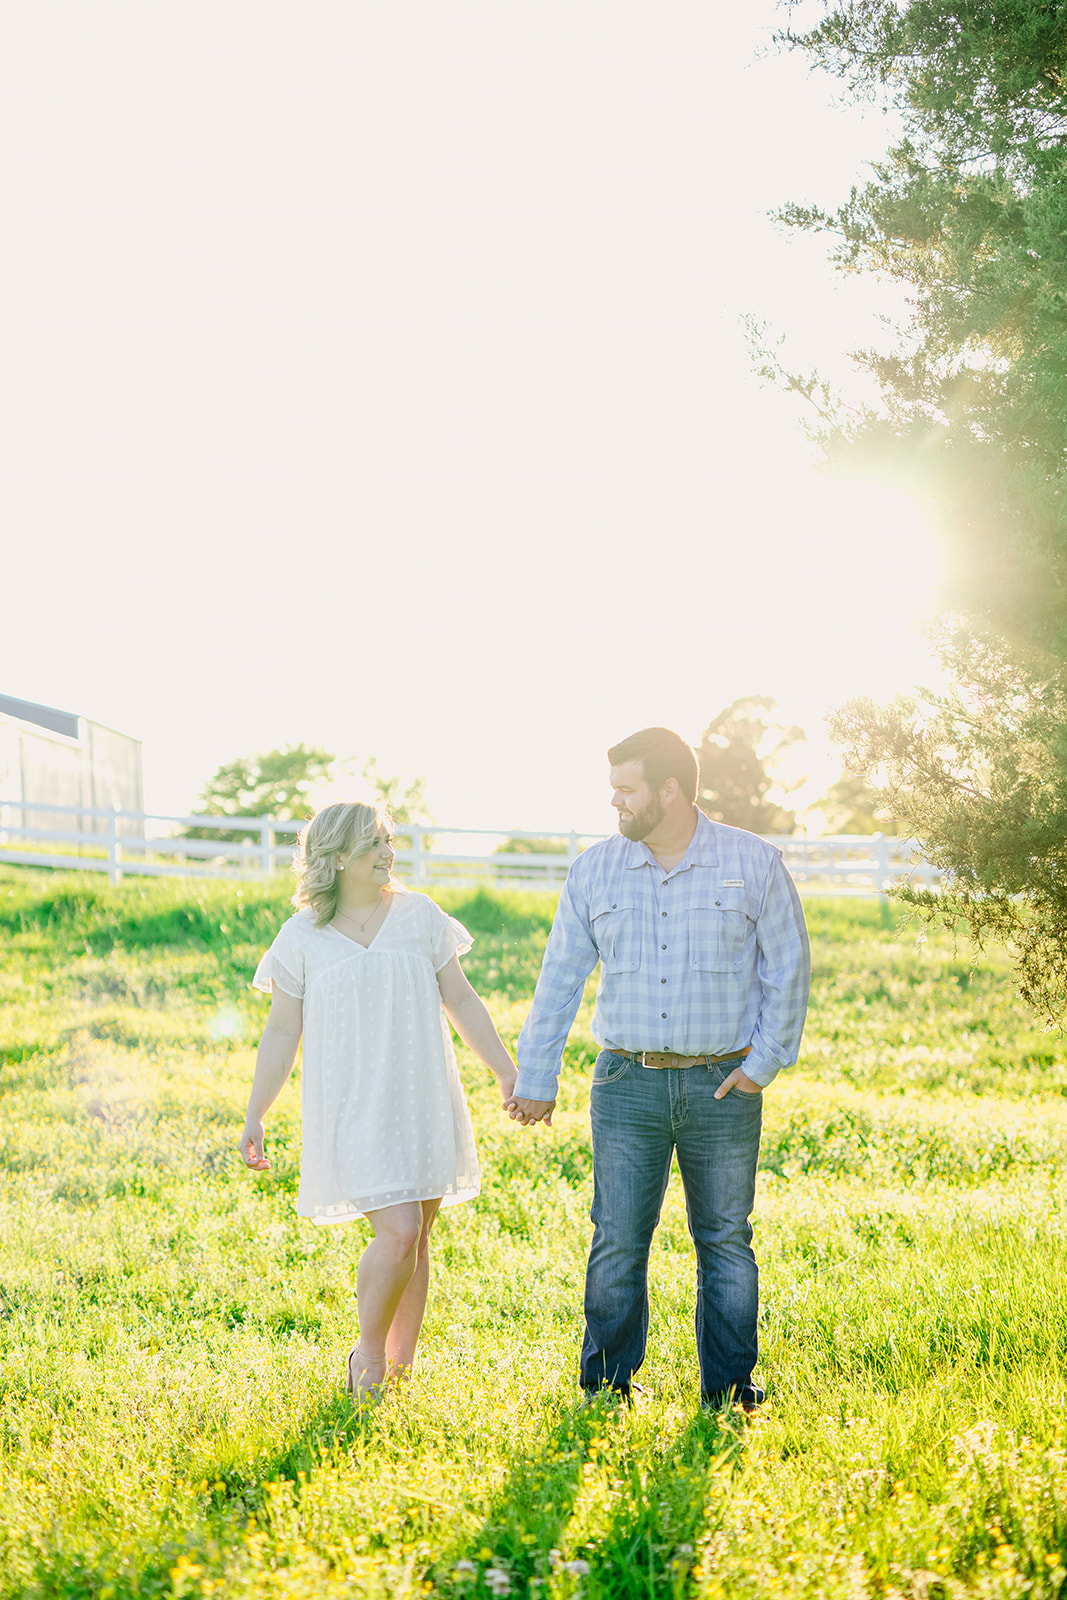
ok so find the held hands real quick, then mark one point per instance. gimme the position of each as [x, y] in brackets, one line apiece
[525, 1112]
[253, 1154]
[740, 1081]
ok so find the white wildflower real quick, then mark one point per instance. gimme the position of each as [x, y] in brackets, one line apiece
[553, 1559]
[498, 1581]
[580, 1569]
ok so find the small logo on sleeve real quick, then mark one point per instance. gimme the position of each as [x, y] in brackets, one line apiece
[733, 883]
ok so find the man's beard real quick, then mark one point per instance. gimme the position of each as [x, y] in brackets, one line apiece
[642, 822]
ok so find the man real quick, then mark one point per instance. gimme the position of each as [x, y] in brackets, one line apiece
[703, 989]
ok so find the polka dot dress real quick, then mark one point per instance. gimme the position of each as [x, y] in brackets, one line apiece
[385, 1118]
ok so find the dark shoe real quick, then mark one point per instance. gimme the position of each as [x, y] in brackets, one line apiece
[749, 1398]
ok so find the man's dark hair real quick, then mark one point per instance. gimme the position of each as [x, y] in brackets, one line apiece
[662, 755]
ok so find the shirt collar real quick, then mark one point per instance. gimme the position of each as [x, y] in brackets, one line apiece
[702, 851]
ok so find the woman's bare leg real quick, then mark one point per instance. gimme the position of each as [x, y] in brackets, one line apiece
[385, 1270]
[403, 1333]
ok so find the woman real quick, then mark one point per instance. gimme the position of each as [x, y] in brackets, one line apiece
[367, 971]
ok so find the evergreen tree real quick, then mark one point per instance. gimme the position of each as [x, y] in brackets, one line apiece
[969, 209]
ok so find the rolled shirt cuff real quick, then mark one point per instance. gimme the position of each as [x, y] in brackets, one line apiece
[536, 1085]
[759, 1071]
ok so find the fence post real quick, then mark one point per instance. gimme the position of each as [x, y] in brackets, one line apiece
[882, 846]
[416, 853]
[114, 848]
[266, 845]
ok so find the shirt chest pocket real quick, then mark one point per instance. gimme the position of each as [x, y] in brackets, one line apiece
[617, 935]
[719, 932]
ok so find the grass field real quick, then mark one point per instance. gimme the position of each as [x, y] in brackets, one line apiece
[172, 1337]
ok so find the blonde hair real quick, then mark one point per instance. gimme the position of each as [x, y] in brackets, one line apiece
[350, 827]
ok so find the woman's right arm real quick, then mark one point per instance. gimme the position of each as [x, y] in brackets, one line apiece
[274, 1062]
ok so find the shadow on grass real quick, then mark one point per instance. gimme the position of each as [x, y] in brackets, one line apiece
[650, 1513]
[239, 1487]
[651, 1503]
[649, 1545]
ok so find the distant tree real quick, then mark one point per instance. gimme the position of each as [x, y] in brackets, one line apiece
[403, 798]
[293, 782]
[852, 805]
[531, 847]
[276, 783]
[738, 753]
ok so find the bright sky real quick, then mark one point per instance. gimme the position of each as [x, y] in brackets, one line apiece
[374, 377]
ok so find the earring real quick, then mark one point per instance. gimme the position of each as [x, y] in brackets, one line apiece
[340, 866]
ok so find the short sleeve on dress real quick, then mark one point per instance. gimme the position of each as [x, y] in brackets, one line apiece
[448, 937]
[283, 964]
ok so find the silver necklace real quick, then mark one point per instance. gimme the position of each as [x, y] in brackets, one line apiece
[361, 925]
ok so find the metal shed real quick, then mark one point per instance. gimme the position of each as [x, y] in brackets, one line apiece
[57, 758]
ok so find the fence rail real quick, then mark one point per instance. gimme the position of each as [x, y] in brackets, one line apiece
[839, 864]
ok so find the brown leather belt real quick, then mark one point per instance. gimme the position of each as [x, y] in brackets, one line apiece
[666, 1058]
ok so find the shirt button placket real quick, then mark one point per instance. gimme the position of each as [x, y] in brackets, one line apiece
[663, 1014]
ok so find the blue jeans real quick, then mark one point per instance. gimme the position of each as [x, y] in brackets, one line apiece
[640, 1116]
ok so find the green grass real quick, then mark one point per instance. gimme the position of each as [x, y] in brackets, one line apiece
[172, 1337]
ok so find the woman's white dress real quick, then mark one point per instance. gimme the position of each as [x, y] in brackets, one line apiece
[385, 1118]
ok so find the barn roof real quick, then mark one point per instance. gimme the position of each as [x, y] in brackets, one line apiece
[65, 722]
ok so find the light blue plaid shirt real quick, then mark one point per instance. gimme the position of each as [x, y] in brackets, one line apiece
[702, 960]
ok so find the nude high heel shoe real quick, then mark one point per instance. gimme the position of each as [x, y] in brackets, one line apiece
[365, 1389]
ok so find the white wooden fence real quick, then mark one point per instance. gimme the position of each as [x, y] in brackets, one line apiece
[147, 843]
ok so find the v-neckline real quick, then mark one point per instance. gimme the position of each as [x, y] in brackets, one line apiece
[348, 939]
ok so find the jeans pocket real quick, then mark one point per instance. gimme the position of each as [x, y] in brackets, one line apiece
[733, 1092]
[609, 1067]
